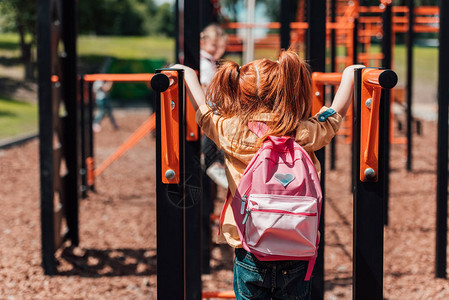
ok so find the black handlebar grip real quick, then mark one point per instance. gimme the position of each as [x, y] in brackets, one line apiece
[160, 82]
[388, 79]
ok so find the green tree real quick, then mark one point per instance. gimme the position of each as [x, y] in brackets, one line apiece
[164, 20]
[117, 17]
[21, 16]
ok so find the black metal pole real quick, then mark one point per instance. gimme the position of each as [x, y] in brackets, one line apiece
[316, 55]
[285, 24]
[333, 10]
[177, 34]
[192, 172]
[410, 39]
[46, 136]
[368, 235]
[208, 14]
[207, 204]
[387, 18]
[83, 125]
[169, 213]
[72, 145]
[442, 159]
[90, 133]
[355, 41]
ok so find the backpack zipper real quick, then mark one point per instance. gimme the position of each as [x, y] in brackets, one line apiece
[243, 204]
[248, 212]
[307, 214]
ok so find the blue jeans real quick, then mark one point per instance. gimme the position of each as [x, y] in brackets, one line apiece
[104, 107]
[265, 280]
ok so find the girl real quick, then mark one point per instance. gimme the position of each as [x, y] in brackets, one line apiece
[278, 94]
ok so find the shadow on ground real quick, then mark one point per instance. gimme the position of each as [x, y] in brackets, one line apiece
[18, 89]
[9, 61]
[109, 262]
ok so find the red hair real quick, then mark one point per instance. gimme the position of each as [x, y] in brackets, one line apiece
[264, 86]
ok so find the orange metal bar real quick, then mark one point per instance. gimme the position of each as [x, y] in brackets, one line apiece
[136, 77]
[370, 77]
[170, 130]
[238, 25]
[369, 123]
[318, 93]
[222, 295]
[319, 80]
[90, 171]
[191, 125]
[342, 26]
[299, 25]
[271, 25]
[148, 126]
[326, 78]
[427, 10]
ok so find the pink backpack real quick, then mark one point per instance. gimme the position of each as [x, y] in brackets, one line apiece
[277, 204]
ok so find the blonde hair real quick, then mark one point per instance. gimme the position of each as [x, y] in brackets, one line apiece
[264, 86]
[212, 31]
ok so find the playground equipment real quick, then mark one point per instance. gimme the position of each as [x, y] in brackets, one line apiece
[442, 159]
[368, 179]
[178, 191]
[173, 190]
[58, 130]
[88, 170]
[60, 156]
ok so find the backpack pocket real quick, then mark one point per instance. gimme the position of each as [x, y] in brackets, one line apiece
[282, 225]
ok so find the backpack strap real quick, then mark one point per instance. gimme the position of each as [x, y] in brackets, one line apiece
[258, 128]
[310, 268]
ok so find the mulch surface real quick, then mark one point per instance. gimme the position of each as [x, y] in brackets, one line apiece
[116, 258]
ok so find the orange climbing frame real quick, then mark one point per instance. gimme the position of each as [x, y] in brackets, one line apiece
[319, 81]
[221, 295]
[145, 128]
[148, 126]
[170, 130]
[137, 77]
[369, 123]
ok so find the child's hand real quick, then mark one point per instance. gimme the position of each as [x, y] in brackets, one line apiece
[194, 89]
[348, 73]
[343, 96]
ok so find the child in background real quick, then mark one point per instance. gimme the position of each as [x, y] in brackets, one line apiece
[209, 40]
[213, 45]
[221, 47]
[101, 89]
[280, 95]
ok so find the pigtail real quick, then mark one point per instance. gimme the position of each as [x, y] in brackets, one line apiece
[282, 88]
[223, 90]
[286, 91]
[296, 83]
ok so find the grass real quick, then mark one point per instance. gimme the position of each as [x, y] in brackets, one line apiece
[17, 117]
[127, 47]
[93, 50]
